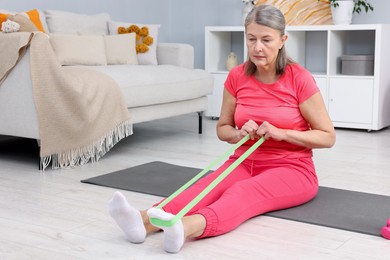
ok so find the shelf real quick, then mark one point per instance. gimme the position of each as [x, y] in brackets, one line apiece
[351, 76]
[219, 44]
[302, 46]
[353, 101]
[219, 72]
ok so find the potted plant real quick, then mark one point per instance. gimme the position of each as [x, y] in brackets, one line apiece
[342, 10]
[359, 5]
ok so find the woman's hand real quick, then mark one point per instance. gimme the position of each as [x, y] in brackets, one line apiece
[270, 131]
[265, 129]
[250, 128]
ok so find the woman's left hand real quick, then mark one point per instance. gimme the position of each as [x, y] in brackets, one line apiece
[268, 131]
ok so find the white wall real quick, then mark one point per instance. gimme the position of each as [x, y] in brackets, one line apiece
[181, 20]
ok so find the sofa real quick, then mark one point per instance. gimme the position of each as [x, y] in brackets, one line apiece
[155, 84]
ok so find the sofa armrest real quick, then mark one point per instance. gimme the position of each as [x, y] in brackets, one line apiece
[179, 54]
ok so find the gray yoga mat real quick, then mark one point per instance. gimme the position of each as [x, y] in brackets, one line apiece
[336, 208]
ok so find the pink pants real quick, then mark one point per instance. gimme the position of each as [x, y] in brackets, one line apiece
[253, 188]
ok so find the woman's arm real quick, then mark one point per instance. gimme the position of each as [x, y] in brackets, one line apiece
[226, 130]
[321, 134]
[226, 127]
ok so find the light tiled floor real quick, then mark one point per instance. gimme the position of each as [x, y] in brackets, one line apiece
[52, 215]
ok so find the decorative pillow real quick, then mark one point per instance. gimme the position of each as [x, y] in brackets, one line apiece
[42, 17]
[71, 23]
[33, 15]
[26, 25]
[120, 49]
[150, 56]
[79, 49]
[3, 17]
[10, 26]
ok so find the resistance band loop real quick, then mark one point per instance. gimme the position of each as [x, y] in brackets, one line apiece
[189, 206]
[205, 170]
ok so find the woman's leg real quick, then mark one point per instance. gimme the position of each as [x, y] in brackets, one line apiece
[191, 226]
[241, 172]
[276, 187]
[135, 224]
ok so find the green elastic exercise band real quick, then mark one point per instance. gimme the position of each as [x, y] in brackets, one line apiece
[189, 206]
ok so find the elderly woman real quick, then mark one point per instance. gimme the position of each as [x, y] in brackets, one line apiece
[268, 96]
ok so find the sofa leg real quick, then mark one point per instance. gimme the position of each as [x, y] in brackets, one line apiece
[200, 121]
[39, 160]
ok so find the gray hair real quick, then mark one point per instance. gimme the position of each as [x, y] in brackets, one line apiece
[272, 17]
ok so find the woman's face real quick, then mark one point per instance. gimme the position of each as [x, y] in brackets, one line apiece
[263, 44]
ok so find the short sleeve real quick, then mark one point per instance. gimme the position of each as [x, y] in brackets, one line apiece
[306, 85]
[231, 81]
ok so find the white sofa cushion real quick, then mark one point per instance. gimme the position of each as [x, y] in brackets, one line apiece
[74, 49]
[73, 23]
[158, 84]
[120, 49]
[149, 57]
[79, 49]
[178, 54]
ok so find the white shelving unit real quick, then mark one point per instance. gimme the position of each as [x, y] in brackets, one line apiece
[353, 101]
[220, 41]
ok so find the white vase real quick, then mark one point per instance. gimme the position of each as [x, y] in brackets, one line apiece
[231, 61]
[342, 14]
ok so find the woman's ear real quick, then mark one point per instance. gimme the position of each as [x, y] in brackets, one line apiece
[283, 41]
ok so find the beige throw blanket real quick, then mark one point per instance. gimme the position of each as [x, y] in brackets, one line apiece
[12, 48]
[81, 112]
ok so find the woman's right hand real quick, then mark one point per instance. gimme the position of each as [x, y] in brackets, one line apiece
[250, 128]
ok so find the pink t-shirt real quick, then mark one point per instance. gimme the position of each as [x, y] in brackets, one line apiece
[277, 103]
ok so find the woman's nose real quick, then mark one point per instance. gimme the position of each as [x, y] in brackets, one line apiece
[258, 47]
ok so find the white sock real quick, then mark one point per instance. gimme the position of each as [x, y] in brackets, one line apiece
[173, 235]
[128, 218]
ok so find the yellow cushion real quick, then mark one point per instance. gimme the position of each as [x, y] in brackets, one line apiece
[32, 14]
[34, 17]
[3, 18]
